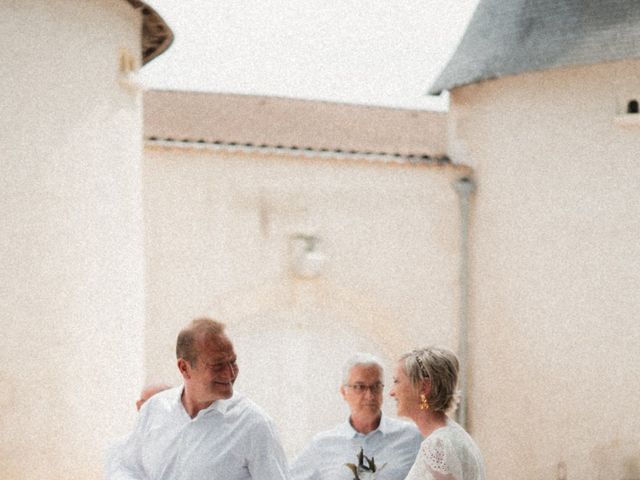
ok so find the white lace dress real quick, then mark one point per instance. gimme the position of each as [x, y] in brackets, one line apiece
[448, 453]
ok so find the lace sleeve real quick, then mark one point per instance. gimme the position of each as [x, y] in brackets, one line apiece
[441, 461]
[448, 453]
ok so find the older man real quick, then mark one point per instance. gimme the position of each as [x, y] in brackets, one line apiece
[203, 429]
[392, 443]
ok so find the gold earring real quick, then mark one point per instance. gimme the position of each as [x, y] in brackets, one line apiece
[424, 405]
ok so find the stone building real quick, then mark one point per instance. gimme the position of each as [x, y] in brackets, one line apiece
[544, 109]
[71, 236]
[506, 229]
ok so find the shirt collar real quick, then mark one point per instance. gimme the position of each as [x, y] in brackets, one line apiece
[384, 424]
[348, 431]
[219, 406]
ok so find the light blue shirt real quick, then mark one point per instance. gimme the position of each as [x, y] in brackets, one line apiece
[394, 442]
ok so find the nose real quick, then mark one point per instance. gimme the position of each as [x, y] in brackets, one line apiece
[231, 371]
[368, 393]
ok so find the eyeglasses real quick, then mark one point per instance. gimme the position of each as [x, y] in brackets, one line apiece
[360, 388]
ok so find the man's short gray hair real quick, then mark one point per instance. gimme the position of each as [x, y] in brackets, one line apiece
[361, 359]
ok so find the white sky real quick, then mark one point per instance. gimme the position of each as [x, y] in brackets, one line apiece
[373, 52]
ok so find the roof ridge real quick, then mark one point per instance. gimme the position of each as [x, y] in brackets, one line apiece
[411, 157]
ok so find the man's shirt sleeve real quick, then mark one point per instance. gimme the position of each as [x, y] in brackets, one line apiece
[304, 467]
[126, 465]
[267, 460]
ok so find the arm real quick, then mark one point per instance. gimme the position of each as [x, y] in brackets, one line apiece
[267, 460]
[304, 466]
[123, 459]
[439, 460]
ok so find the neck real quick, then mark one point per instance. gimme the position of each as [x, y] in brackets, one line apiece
[191, 405]
[365, 424]
[429, 421]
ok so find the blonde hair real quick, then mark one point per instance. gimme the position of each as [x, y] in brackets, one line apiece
[438, 365]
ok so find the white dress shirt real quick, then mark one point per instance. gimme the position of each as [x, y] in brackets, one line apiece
[394, 442]
[113, 456]
[230, 440]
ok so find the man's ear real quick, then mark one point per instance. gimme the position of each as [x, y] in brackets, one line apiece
[343, 391]
[184, 368]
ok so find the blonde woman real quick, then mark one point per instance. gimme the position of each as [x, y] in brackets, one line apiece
[424, 387]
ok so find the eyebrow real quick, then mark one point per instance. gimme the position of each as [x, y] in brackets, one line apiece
[218, 361]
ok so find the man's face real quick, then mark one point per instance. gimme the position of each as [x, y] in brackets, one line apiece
[363, 391]
[215, 369]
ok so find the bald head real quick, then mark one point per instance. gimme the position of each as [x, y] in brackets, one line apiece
[149, 391]
[195, 331]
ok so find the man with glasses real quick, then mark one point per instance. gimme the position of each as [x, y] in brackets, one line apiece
[392, 443]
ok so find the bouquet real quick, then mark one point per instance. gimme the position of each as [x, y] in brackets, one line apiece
[362, 471]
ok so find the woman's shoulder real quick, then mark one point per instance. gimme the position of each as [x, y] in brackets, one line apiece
[443, 434]
[450, 440]
[439, 443]
[451, 450]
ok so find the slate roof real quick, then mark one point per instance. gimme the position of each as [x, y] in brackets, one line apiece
[507, 37]
[156, 34]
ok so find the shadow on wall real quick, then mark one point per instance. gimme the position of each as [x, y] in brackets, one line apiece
[616, 459]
